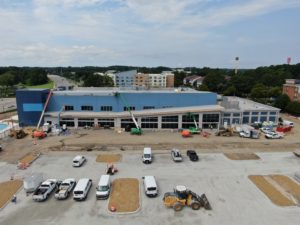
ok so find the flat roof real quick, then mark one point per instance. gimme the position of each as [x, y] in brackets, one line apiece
[110, 91]
[236, 103]
[150, 112]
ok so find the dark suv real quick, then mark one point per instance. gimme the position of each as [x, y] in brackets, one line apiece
[192, 155]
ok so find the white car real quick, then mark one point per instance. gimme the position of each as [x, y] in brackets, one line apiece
[273, 135]
[176, 155]
[65, 188]
[44, 190]
[266, 130]
[78, 160]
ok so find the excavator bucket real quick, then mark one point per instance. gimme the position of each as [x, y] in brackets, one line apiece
[204, 202]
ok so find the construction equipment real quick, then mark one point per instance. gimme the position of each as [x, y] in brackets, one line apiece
[134, 130]
[111, 169]
[186, 133]
[37, 132]
[228, 132]
[181, 197]
[17, 133]
[193, 130]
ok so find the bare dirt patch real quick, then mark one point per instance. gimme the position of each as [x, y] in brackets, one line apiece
[125, 195]
[109, 158]
[29, 158]
[8, 189]
[270, 191]
[242, 156]
[289, 186]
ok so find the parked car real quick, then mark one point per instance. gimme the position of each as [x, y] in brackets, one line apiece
[176, 155]
[192, 155]
[103, 188]
[273, 135]
[82, 189]
[78, 160]
[65, 188]
[44, 190]
[150, 186]
[266, 130]
[250, 134]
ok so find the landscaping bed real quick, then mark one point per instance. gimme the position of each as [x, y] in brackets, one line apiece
[108, 158]
[125, 196]
[280, 189]
[242, 156]
[8, 189]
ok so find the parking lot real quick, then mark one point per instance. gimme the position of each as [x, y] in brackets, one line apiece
[233, 197]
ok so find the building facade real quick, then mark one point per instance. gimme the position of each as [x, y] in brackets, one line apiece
[153, 109]
[292, 89]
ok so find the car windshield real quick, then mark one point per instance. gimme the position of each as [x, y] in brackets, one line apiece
[75, 161]
[102, 188]
[151, 188]
[78, 192]
[146, 155]
[64, 186]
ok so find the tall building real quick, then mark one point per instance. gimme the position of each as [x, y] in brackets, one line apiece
[141, 80]
[125, 79]
[156, 80]
[292, 89]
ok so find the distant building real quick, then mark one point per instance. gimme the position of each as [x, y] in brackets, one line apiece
[292, 89]
[125, 79]
[157, 80]
[193, 80]
[141, 80]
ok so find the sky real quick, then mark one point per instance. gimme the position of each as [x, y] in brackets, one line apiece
[174, 33]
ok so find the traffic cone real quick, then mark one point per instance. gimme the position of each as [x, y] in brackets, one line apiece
[113, 208]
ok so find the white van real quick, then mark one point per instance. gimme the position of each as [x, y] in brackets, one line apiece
[288, 123]
[147, 155]
[103, 188]
[82, 189]
[151, 189]
[78, 160]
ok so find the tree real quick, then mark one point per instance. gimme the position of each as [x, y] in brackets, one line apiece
[203, 87]
[259, 91]
[282, 101]
[230, 91]
[178, 78]
[293, 108]
[214, 81]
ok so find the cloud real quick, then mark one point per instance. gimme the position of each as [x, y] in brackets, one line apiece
[146, 32]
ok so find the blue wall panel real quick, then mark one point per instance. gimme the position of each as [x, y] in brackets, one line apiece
[32, 107]
[138, 100]
[30, 104]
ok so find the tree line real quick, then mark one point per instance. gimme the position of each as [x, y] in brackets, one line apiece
[12, 78]
[263, 84]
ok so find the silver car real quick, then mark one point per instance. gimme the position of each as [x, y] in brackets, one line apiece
[176, 155]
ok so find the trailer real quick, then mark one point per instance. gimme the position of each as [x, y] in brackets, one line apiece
[32, 182]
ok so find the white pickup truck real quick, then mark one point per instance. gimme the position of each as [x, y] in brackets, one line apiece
[44, 190]
[65, 188]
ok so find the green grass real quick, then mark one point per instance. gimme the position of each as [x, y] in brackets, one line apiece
[49, 85]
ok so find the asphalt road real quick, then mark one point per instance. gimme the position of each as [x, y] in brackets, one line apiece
[60, 81]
